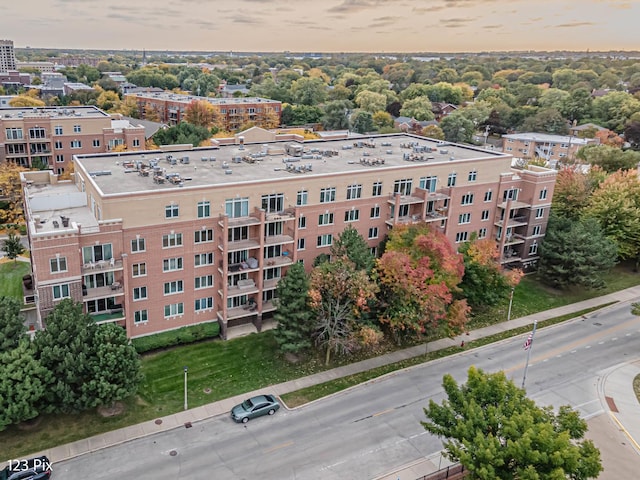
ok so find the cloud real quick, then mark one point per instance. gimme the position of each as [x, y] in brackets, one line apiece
[384, 21]
[454, 22]
[492, 27]
[575, 24]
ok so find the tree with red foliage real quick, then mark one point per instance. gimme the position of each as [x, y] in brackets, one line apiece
[418, 275]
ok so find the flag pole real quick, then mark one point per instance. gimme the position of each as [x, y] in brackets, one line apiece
[528, 346]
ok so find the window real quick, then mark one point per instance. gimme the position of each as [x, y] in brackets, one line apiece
[273, 203]
[539, 212]
[271, 273]
[96, 142]
[428, 183]
[97, 253]
[272, 251]
[302, 221]
[301, 244]
[403, 186]
[139, 293]
[60, 158]
[203, 282]
[171, 264]
[13, 133]
[203, 259]
[233, 258]
[373, 232]
[204, 209]
[58, 264]
[488, 195]
[139, 269]
[37, 132]
[237, 207]
[57, 130]
[172, 240]
[485, 215]
[510, 194]
[482, 233]
[327, 195]
[238, 233]
[375, 212]
[325, 240]
[203, 304]
[377, 189]
[374, 251]
[57, 144]
[451, 180]
[467, 199]
[325, 219]
[140, 316]
[61, 291]
[536, 230]
[352, 215]
[473, 175]
[173, 287]
[462, 237]
[464, 218]
[202, 236]
[533, 248]
[76, 144]
[302, 198]
[173, 310]
[543, 194]
[273, 228]
[77, 129]
[171, 211]
[136, 142]
[137, 245]
[354, 191]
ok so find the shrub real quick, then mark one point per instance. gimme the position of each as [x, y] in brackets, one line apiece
[180, 336]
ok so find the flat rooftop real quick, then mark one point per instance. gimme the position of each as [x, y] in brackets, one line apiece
[181, 98]
[51, 112]
[157, 170]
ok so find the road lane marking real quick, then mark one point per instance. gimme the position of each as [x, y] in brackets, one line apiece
[624, 430]
[278, 447]
[383, 412]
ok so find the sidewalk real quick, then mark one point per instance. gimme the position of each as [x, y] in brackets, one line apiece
[617, 385]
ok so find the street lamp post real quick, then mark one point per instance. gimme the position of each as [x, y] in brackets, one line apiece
[529, 346]
[185, 388]
[510, 304]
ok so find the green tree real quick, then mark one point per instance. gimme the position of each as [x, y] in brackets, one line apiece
[610, 159]
[12, 328]
[419, 108]
[295, 320]
[572, 191]
[22, 384]
[614, 109]
[362, 122]
[339, 295]
[183, 133]
[575, 252]
[308, 91]
[492, 428]
[352, 245]
[12, 246]
[336, 115]
[457, 128]
[548, 120]
[371, 101]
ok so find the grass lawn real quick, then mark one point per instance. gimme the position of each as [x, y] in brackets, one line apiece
[248, 363]
[11, 274]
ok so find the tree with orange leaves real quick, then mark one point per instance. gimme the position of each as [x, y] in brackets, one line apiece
[418, 276]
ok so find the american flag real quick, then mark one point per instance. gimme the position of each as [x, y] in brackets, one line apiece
[527, 343]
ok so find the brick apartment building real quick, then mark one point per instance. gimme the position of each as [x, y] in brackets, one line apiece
[168, 107]
[7, 56]
[52, 135]
[552, 148]
[158, 240]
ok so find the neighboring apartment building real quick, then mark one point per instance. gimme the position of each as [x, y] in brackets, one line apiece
[39, 66]
[52, 135]
[552, 148]
[7, 56]
[159, 240]
[169, 108]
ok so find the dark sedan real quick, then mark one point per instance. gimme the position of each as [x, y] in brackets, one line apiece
[255, 407]
[38, 468]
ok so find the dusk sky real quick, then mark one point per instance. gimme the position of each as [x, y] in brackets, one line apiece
[324, 25]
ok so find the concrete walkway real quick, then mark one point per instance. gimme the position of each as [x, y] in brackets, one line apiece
[617, 385]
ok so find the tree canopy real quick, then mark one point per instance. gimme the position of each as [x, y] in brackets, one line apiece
[492, 428]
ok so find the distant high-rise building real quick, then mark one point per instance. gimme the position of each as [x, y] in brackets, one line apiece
[7, 56]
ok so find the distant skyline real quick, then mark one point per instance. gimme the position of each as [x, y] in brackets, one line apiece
[324, 25]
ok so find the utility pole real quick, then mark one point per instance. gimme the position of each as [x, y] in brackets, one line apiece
[529, 346]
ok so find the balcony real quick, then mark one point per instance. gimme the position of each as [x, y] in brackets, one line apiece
[115, 314]
[435, 196]
[239, 221]
[280, 216]
[283, 260]
[113, 290]
[243, 287]
[278, 239]
[513, 222]
[515, 204]
[404, 199]
[236, 245]
[270, 284]
[239, 312]
[111, 265]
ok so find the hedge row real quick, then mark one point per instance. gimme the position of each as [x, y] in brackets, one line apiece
[14, 226]
[180, 336]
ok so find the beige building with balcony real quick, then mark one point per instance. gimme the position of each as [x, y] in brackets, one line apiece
[158, 240]
[50, 136]
[552, 148]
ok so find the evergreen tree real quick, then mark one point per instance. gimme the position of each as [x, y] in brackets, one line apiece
[575, 252]
[12, 246]
[22, 384]
[496, 432]
[294, 317]
[12, 327]
[352, 245]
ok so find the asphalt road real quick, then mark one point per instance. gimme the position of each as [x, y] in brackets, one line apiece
[368, 430]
